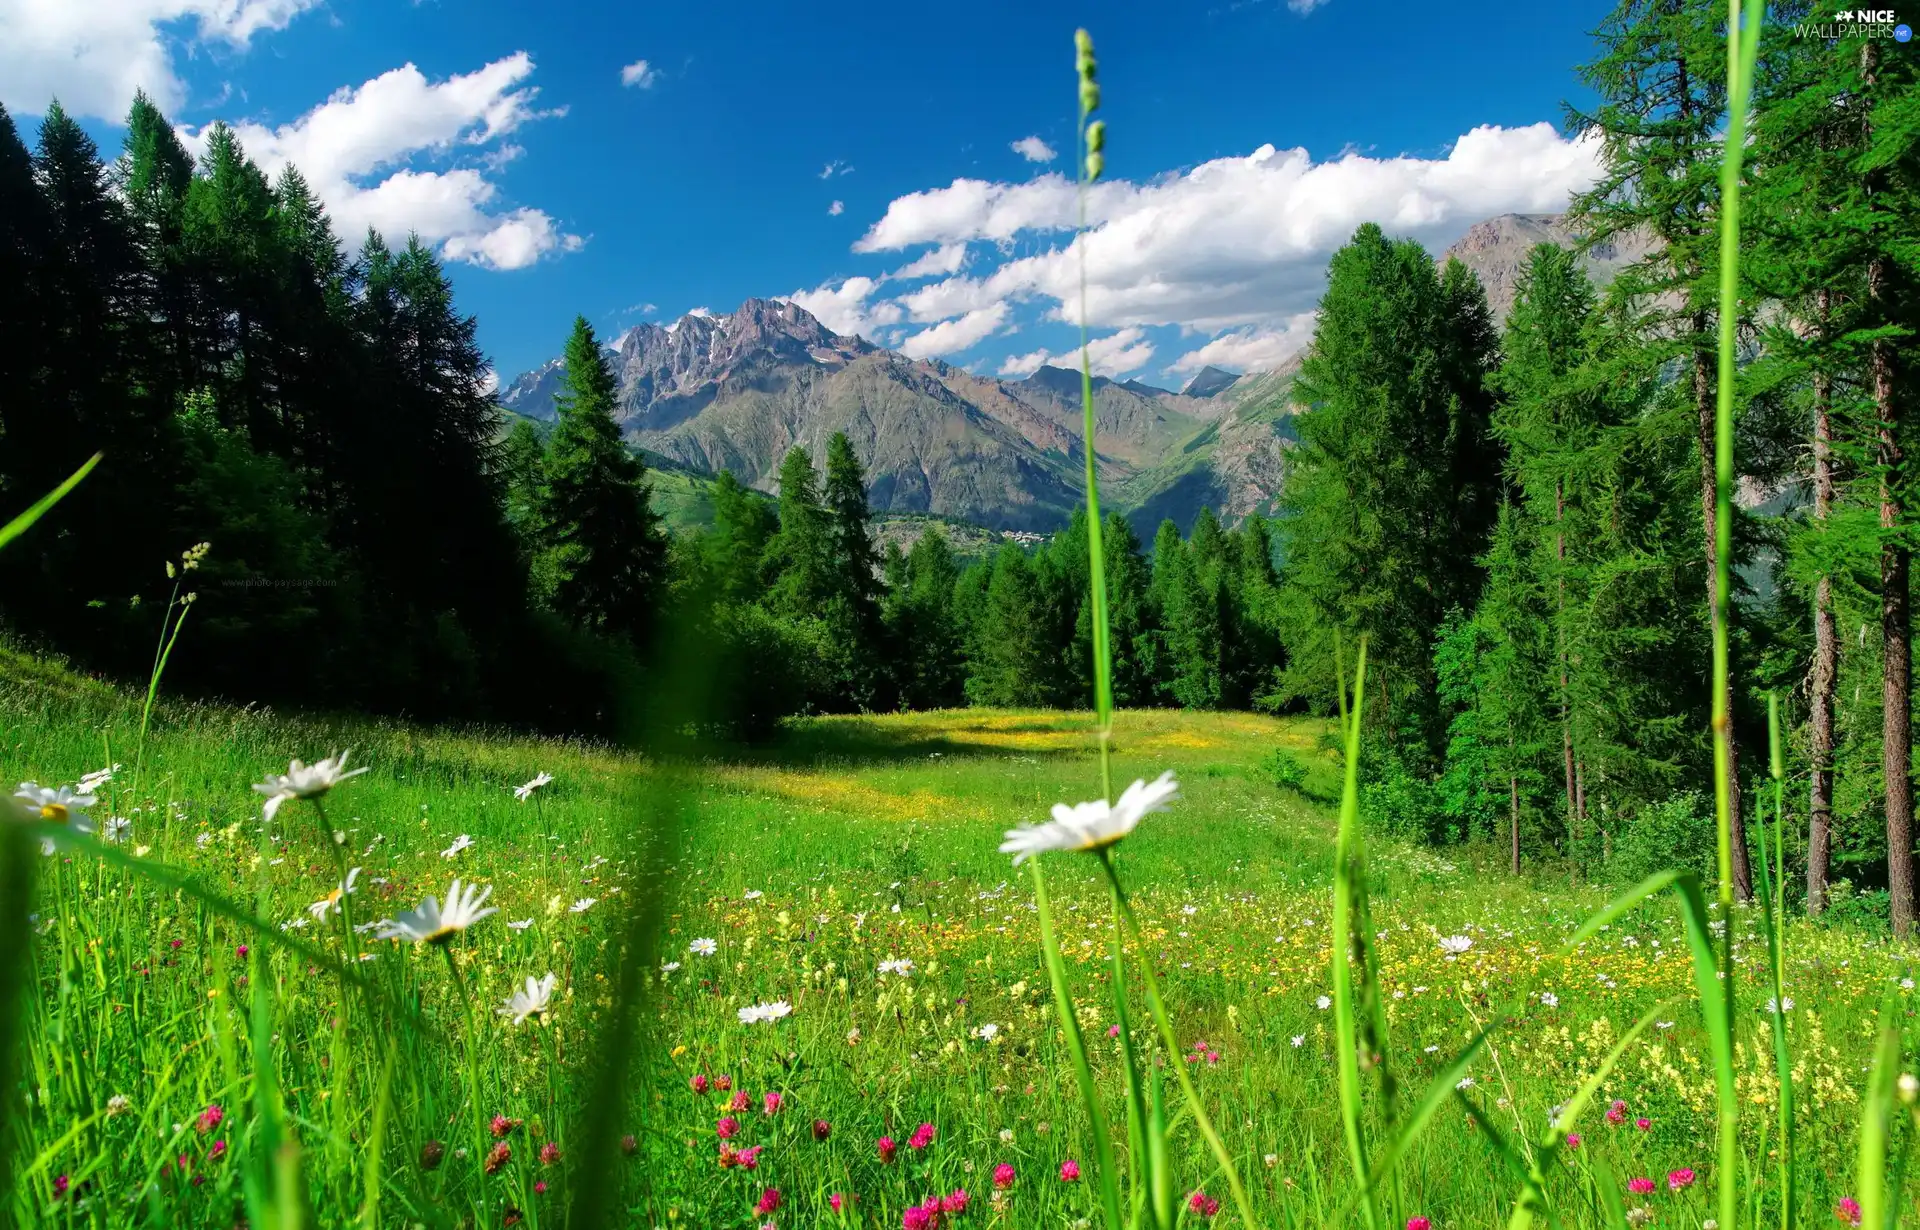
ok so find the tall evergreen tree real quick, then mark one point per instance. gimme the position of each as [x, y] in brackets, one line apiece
[743, 524]
[801, 554]
[595, 508]
[1660, 79]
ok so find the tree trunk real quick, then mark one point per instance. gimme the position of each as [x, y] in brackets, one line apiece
[1513, 812]
[1703, 397]
[1566, 720]
[1896, 602]
[1896, 628]
[1826, 645]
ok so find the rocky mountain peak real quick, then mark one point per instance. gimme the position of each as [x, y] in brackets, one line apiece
[1209, 382]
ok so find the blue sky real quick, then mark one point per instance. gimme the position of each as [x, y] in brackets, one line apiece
[558, 179]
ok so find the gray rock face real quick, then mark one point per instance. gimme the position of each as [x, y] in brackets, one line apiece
[1497, 250]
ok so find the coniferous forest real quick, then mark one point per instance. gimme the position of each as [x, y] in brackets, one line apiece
[1517, 517]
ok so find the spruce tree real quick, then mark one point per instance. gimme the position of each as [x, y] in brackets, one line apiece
[1661, 82]
[801, 554]
[856, 566]
[743, 525]
[1012, 654]
[595, 509]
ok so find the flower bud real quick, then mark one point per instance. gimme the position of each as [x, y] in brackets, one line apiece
[430, 1155]
[1097, 136]
[1089, 96]
[1083, 44]
[1096, 163]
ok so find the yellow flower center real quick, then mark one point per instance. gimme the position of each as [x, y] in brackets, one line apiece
[55, 812]
[442, 935]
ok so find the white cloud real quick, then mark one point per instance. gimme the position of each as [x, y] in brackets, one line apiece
[953, 336]
[836, 209]
[943, 260]
[1235, 244]
[844, 308]
[95, 53]
[836, 167]
[1033, 149]
[1303, 7]
[700, 311]
[640, 75]
[489, 381]
[1117, 354]
[1251, 349]
[1022, 365]
[355, 149]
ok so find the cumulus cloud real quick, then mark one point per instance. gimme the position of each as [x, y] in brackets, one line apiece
[1033, 149]
[356, 149]
[1250, 349]
[845, 308]
[700, 311]
[639, 75]
[1119, 353]
[946, 259]
[1019, 366]
[1235, 247]
[953, 336]
[836, 209]
[95, 53]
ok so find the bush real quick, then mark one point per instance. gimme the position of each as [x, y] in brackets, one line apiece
[1677, 833]
[1284, 769]
[1868, 910]
[1399, 801]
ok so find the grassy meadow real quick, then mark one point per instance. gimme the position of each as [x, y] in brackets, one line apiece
[849, 872]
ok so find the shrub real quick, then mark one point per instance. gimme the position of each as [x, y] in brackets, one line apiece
[1284, 769]
[1677, 832]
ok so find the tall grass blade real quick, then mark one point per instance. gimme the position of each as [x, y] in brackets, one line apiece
[1773, 914]
[24, 522]
[1077, 1052]
[1743, 40]
[17, 859]
[1346, 873]
[1876, 1116]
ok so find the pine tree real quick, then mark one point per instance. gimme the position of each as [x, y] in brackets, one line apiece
[743, 525]
[1660, 78]
[801, 554]
[25, 231]
[923, 625]
[856, 567]
[1387, 500]
[1011, 654]
[595, 508]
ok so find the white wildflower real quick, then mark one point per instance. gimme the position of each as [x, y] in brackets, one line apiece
[1094, 825]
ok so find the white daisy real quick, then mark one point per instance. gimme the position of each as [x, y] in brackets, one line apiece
[430, 924]
[1454, 945]
[63, 806]
[986, 1032]
[304, 781]
[91, 782]
[583, 905]
[330, 904]
[1549, 999]
[532, 1000]
[1299, 1040]
[117, 828]
[462, 842]
[525, 792]
[1094, 825]
[703, 947]
[756, 1013]
[669, 967]
[899, 966]
[1323, 1003]
[754, 894]
[521, 925]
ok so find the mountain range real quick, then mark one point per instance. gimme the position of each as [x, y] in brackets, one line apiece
[736, 392]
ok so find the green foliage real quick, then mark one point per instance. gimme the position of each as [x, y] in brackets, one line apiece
[1284, 769]
[1676, 831]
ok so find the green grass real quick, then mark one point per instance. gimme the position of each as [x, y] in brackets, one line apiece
[866, 840]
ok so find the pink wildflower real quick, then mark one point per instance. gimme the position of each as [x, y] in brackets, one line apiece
[1677, 1179]
[210, 1118]
[769, 1201]
[1640, 1187]
[1643, 1123]
[1419, 1223]
[740, 1101]
[1848, 1210]
[750, 1158]
[540, 1187]
[887, 1148]
[549, 1153]
[727, 1128]
[1069, 1171]
[772, 1102]
[218, 1151]
[954, 1202]
[61, 1183]
[729, 1157]
[921, 1138]
[1203, 1204]
[836, 1202]
[822, 1129]
[1212, 1058]
[723, 1082]
[503, 1126]
[241, 952]
[916, 1218]
[699, 1083]
[1617, 1113]
[1113, 1031]
[1573, 1140]
[1003, 1176]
